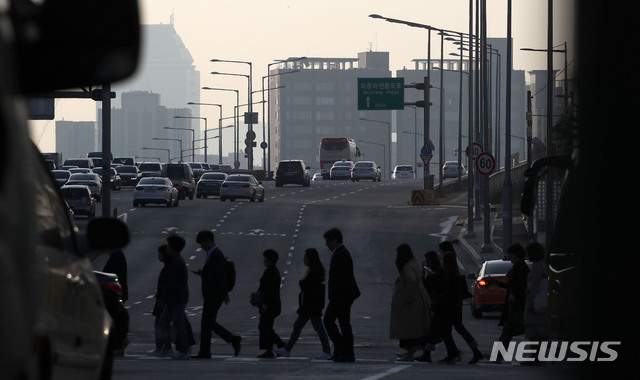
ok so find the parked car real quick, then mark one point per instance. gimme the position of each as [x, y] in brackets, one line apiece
[209, 184]
[112, 296]
[487, 295]
[451, 169]
[155, 190]
[79, 199]
[129, 174]
[115, 181]
[150, 169]
[90, 179]
[80, 162]
[365, 170]
[341, 170]
[181, 175]
[317, 177]
[403, 172]
[60, 176]
[292, 171]
[241, 186]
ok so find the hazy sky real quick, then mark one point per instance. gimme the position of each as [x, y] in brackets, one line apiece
[262, 31]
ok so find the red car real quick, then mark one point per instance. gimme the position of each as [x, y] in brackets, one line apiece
[487, 295]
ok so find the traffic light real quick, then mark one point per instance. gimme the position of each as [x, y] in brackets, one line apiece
[249, 143]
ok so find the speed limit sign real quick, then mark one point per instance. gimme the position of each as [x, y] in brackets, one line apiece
[476, 149]
[485, 163]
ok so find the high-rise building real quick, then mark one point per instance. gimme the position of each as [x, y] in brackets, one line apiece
[165, 81]
[74, 139]
[319, 101]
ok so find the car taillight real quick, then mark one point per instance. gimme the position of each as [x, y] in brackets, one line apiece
[88, 201]
[246, 185]
[483, 283]
[223, 185]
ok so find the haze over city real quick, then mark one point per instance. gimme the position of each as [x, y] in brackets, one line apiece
[261, 32]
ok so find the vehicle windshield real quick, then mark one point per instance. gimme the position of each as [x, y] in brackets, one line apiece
[126, 169]
[82, 177]
[403, 168]
[195, 165]
[363, 164]
[174, 171]
[239, 178]
[150, 166]
[289, 165]
[497, 267]
[74, 193]
[342, 164]
[214, 176]
[61, 174]
[152, 181]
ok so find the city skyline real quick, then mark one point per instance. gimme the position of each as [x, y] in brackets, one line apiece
[263, 32]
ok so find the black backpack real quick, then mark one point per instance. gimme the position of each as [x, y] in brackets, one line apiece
[230, 273]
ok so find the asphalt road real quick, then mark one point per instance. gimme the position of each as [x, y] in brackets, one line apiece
[374, 218]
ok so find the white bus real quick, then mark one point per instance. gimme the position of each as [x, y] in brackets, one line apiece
[336, 149]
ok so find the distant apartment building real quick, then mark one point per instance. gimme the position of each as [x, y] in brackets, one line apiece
[142, 118]
[74, 139]
[320, 100]
[147, 102]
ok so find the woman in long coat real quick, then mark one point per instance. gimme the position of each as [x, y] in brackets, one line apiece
[410, 305]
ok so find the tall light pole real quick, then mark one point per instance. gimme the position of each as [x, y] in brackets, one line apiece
[168, 152]
[294, 59]
[389, 139]
[236, 131]
[193, 133]
[266, 145]
[178, 140]
[205, 130]
[250, 102]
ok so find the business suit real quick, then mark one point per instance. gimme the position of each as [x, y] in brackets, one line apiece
[342, 291]
[214, 293]
[270, 287]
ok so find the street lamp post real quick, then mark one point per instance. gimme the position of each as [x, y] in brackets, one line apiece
[168, 152]
[384, 148]
[250, 102]
[193, 133]
[236, 131]
[269, 105]
[205, 130]
[389, 138]
[178, 140]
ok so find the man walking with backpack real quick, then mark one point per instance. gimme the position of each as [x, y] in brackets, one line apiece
[214, 292]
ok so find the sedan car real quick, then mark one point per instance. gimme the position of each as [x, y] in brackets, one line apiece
[317, 177]
[115, 181]
[451, 169]
[79, 199]
[366, 170]
[158, 190]
[487, 295]
[241, 186]
[403, 172]
[341, 170]
[60, 176]
[90, 179]
[209, 184]
[150, 169]
[129, 174]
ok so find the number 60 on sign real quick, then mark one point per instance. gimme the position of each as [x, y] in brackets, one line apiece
[485, 163]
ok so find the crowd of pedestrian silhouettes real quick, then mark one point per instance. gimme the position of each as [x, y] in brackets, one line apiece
[426, 303]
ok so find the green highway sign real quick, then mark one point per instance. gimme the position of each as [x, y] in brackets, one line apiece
[380, 94]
